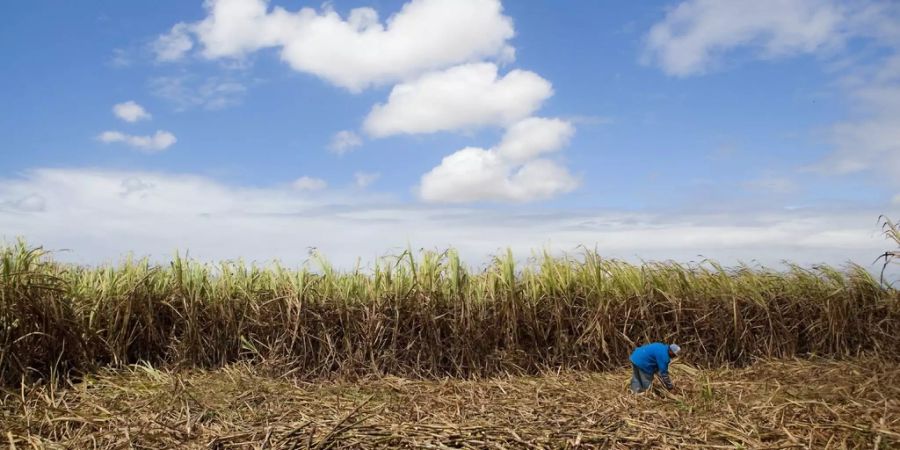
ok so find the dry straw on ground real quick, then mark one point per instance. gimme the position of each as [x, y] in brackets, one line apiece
[770, 405]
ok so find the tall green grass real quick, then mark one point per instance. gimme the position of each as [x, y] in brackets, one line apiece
[427, 314]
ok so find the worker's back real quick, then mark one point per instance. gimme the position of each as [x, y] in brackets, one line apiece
[651, 358]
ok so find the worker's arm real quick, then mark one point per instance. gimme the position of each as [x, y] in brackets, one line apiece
[663, 362]
[667, 382]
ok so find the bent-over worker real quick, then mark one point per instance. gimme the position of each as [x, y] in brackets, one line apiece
[650, 359]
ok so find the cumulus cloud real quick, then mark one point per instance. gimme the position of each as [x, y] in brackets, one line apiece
[353, 52]
[511, 171]
[364, 179]
[696, 33]
[534, 136]
[475, 174]
[344, 141]
[130, 111]
[309, 184]
[150, 144]
[462, 97]
[215, 221]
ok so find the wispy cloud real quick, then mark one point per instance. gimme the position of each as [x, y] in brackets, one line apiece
[696, 33]
[364, 179]
[173, 45]
[344, 141]
[157, 142]
[187, 91]
[871, 141]
[309, 184]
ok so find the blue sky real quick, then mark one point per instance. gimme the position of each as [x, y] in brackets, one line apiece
[736, 130]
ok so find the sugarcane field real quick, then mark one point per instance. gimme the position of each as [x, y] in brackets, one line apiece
[449, 224]
[424, 353]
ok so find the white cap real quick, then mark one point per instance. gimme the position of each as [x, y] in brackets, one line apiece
[674, 348]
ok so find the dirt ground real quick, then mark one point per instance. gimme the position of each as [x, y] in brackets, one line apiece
[776, 405]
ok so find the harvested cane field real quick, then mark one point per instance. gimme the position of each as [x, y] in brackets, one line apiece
[420, 351]
[790, 404]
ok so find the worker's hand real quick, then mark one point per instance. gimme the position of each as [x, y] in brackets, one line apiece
[666, 381]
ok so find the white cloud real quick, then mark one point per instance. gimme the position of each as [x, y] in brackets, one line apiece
[475, 174]
[150, 144]
[173, 45]
[364, 179]
[896, 200]
[130, 111]
[27, 203]
[463, 97]
[864, 145]
[189, 92]
[344, 141]
[216, 222]
[509, 172]
[696, 33]
[309, 184]
[534, 136]
[357, 51]
[134, 185]
[872, 140]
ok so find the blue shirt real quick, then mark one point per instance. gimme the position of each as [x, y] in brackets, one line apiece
[651, 358]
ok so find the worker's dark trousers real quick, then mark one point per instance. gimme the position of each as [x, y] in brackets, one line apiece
[640, 380]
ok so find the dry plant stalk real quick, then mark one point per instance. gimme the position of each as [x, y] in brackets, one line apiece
[892, 233]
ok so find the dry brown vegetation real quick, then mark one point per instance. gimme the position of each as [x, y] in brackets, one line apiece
[790, 404]
[427, 316]
[424, 353]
